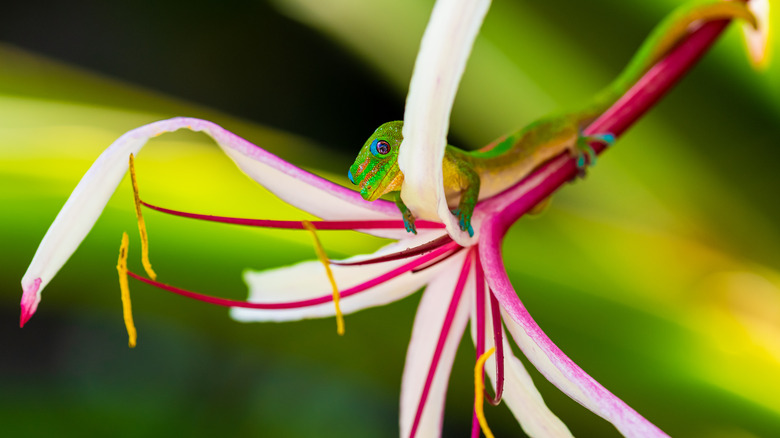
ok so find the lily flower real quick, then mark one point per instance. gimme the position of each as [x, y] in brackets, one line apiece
[464, 277]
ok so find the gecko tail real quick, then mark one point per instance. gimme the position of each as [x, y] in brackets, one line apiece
[681, 22]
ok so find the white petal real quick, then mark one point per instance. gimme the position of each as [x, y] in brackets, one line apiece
[425, 335]
[440, 63]
[520, 394]
[308, 280]
[80, 213]
[298, 187]
[757, 40]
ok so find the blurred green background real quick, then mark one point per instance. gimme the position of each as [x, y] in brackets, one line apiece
[658, 273]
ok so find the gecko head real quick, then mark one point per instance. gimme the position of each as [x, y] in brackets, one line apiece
[375, 169]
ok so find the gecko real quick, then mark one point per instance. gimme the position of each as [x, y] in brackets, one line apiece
[470, 176]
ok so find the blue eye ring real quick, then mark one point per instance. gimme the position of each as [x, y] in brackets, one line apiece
[380, 148]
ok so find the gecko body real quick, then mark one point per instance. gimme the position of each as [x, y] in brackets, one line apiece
[473, 175]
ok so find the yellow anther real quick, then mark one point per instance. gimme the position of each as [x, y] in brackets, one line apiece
[324, 259]
[479, 391]
[127, 310]
[141, 224]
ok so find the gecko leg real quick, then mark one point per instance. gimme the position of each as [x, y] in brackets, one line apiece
[584, 149]
[406, 213]
[468, 197]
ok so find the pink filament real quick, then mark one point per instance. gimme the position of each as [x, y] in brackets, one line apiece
[302, 303]
[409, 252]
[445, 330]
[436, 261]
[298, 225]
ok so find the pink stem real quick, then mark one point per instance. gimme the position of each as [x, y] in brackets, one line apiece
[445, 330]
[637, 100]
[302, 303]
[298, 225]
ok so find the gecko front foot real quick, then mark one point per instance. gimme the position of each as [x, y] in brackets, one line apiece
[406, 214]
[464, 220]
[409, 221]
[584, 149]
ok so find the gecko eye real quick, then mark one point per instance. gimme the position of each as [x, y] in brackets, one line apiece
[380, 148]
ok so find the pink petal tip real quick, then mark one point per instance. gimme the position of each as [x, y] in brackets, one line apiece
[30, 300]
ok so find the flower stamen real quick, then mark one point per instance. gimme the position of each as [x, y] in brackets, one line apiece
[354, 225]
[326, 263]
[127, 311]
[408, 252]
[227, 302]
[141, 224]
[479, 390]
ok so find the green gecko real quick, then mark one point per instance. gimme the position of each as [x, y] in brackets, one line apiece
[473, 175]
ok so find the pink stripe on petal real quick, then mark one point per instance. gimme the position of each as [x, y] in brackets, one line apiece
[431, 328]
[445, 331]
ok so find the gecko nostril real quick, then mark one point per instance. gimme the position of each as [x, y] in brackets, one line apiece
[351, 178]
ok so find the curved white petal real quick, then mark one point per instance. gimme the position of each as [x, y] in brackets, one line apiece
[520, 394]
[425, 335]
[308, 280]
[297, 187]
[79, 214]
[757, 40]
[440, 63]
[546, 356]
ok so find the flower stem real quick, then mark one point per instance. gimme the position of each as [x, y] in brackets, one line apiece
[617, 119]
